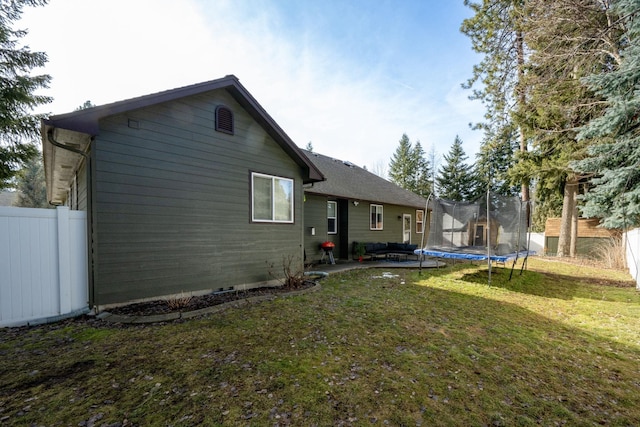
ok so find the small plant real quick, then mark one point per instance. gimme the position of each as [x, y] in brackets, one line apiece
[359, 249]
[179, 302]
[291, 277]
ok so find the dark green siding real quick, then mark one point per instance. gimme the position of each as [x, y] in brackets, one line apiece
[315, 215]
[173, 202]
[315, 211]
[392, 226]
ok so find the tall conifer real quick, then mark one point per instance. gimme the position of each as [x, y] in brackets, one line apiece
[19, 127]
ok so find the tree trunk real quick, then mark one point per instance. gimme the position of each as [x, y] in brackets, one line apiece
[520, 93]
[574, 223]
[567, 239]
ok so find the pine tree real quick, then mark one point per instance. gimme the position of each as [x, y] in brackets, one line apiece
[402, 166]
[409, 168]
[422, 176]
[18, 126]
[494, 161]
[309, 147]
[496, 32]
[614, 159]
[455, 180]
[562, 51]
[31, 185]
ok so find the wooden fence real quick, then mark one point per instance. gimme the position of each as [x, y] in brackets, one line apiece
[43, 264]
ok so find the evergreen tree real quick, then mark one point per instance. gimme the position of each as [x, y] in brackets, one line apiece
[89, 104]
[422, 176]
[614, 159]
[409, 168]
[403, 165]
[494, 161]
[18, 126]
[309, 147]
[455, 180]
[31, 185]
[562, 51]
[496, 32]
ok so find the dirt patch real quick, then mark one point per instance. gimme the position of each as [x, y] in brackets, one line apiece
[156, 307]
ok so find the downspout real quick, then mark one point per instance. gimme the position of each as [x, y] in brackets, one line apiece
[87, 158]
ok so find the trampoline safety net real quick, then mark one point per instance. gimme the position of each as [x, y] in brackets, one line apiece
[469, 228]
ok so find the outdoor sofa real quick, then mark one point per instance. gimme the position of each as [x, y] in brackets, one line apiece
[383, 250]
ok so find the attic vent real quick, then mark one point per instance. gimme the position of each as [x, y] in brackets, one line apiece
[224, 120]
[348, 163]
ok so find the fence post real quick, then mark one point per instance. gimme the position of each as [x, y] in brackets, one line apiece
[64, 261]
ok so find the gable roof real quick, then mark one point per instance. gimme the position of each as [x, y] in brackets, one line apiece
[77, 128]
[348, 181]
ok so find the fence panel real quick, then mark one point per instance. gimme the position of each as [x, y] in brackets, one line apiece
[536, 243]
[43, 264]
[632, 238]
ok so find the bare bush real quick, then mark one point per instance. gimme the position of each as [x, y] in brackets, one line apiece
[291, 277]
[179, 302]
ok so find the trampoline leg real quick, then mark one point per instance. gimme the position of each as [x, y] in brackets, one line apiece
[524, 263]
[512, 267]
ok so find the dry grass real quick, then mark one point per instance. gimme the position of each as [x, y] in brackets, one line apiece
[558, 345]
[180, 302]
[612, 253]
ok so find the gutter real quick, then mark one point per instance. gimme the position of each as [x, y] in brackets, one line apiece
[87, 158]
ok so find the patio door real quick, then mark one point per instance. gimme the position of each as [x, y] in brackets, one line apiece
[406, 228]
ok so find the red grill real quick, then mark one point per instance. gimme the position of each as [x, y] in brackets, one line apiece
[327, 245]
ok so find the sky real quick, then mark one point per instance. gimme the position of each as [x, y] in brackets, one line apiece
[348, 76]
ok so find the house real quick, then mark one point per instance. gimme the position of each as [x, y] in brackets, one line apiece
[189, 190]
[354, 205]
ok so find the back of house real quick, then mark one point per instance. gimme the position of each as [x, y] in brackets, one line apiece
[353, 205]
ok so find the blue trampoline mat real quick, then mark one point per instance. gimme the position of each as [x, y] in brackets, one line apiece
[473, 256]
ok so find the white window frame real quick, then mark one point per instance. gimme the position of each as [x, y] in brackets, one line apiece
[335, 218]
[419, 221]
[376, 210]
[274, 181]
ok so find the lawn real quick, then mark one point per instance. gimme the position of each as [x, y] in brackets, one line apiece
[557, 345]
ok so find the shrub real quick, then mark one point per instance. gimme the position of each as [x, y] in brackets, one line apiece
[611, 252]
[179, 302]
[291, 277]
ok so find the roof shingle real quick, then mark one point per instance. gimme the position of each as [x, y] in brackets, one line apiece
[348, 181]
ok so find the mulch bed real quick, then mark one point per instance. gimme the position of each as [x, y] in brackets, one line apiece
[155, 307]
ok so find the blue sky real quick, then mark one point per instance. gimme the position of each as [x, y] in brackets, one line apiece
[348, 76]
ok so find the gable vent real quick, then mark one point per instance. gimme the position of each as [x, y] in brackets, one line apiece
[224, 120]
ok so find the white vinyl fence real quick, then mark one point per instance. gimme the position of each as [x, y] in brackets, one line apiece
[43, 264]
[536, 243]
[633, 254]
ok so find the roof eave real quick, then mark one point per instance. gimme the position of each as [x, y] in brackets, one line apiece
[60, 164]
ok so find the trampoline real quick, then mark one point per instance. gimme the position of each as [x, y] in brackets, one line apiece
[473, 254]
[494, 228]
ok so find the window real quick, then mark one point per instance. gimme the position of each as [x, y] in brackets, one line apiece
[376, 217]
[332, 217]
[224, 120]
[419, 221]
[271, 198]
